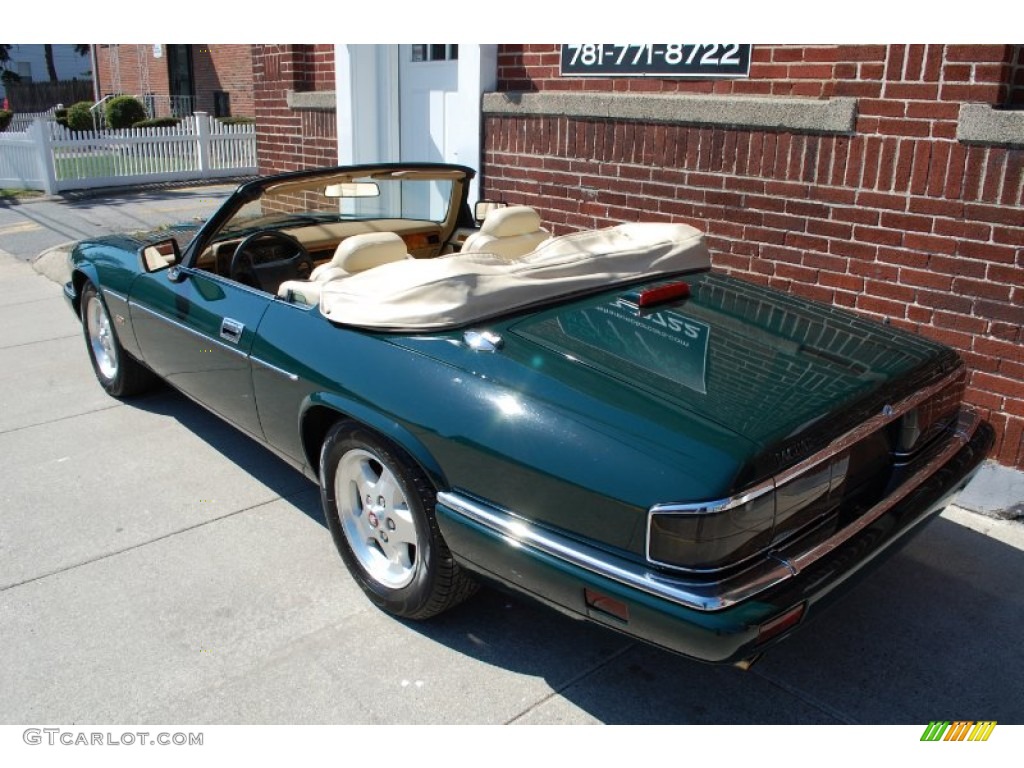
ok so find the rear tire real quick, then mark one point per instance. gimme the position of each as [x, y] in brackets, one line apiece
[380, 508]
[120, 374]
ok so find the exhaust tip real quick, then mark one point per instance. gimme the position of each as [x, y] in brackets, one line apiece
[746, 664]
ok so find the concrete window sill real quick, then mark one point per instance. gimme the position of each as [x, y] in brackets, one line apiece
[982, 124]
[323, 101]
[829, 116]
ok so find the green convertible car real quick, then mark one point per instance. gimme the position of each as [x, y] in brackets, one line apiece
[597, 420]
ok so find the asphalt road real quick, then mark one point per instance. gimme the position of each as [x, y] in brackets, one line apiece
[156, 566]
[30, 226]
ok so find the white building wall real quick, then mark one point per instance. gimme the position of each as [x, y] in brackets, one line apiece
[368, 109]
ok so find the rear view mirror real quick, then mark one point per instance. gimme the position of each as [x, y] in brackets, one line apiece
[353, 189]
[159, 255]
[484, 207]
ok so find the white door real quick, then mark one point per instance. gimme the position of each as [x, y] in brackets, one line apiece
[428, 77]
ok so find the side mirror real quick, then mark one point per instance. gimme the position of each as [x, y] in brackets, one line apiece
[484, 207]
[159, 255]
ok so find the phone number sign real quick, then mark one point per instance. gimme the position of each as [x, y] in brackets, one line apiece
[696, 60]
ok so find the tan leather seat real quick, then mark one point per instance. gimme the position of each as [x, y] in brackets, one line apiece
[354, 254]
[508, 232]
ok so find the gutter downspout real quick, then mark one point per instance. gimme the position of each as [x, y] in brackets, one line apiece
[95, 73]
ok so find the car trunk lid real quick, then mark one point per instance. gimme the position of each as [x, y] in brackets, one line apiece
[787, 374]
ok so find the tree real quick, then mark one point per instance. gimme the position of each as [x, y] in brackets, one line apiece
[7, 75]
[51, 68]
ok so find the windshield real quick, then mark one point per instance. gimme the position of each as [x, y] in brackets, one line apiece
[351, 200]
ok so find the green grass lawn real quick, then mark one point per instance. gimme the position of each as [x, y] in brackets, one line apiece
[78, 166]
[9, 193]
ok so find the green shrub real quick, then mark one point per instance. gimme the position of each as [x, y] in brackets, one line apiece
[79, 117]
[158, 122]
[240, 120]
[5, 119]
[124, 112]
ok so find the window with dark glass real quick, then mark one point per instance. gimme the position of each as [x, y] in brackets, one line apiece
[221, 104]
[435, 52]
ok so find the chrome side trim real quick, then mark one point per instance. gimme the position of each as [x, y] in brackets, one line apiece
[520, 533]
[203, 273]
[274, 368]
[114, 294]
[769, 572]
[193, 331]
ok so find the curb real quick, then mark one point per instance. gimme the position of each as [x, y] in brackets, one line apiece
[53, 262]
[996, 492]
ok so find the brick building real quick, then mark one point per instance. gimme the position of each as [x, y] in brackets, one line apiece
[179, 79]
[883, 178]
[293, 94]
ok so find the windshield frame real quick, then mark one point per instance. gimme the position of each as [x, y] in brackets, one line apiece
[217, 228]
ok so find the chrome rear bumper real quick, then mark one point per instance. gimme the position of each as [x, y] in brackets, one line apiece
[775, 568]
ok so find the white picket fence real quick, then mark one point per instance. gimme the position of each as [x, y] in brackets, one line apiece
[50, 158]
[22, 120]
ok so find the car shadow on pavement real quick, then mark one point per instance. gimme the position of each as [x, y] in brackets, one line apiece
[932, 634]
[237, 447]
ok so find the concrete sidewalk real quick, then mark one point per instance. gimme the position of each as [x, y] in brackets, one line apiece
[156, 566]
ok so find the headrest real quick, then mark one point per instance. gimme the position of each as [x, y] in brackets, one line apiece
[511, 222]
[358, 253]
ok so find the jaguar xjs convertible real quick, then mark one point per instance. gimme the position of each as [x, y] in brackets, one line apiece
[598, 420]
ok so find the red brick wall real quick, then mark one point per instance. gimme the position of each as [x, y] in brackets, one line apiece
[288, 139]
[899, 72]
[214, 68]
[223, 68]
[898, 221]
[129, 67]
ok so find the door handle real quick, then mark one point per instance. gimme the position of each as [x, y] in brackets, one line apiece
[231, 330]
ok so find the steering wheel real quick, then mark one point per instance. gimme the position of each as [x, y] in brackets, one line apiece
[257, 262]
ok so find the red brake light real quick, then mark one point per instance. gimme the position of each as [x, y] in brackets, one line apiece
[662, 293]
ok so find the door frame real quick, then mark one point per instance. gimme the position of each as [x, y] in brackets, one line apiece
[368, 109]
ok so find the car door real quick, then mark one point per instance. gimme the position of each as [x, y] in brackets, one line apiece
[196, 330]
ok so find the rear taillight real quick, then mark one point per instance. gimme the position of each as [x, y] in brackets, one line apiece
[711, 536]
